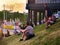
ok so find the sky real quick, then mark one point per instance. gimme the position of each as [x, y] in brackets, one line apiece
[15, 5]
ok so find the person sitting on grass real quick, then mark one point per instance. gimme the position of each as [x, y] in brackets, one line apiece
[27, 33]
[51, 21]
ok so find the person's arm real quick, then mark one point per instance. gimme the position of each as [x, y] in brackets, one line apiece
[24, 31]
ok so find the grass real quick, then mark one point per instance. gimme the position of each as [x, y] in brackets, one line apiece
[50, 36]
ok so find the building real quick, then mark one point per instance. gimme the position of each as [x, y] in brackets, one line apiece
[36, 8]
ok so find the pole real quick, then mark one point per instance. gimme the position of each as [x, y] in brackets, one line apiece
[4, 17]
[4, 11]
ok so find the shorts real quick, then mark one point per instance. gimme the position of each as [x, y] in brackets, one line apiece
[30, 35]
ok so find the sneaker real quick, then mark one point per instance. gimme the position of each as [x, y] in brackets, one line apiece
[21, 40]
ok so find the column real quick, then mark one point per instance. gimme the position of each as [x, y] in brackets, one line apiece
[31, 16]
[28, 18]
[43, 14]
[35, 17]
[46, 16]
[39, 17]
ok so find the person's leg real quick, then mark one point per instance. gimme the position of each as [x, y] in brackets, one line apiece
[24, 36]
[47, 25]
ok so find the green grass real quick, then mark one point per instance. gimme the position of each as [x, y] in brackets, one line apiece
[50, 36]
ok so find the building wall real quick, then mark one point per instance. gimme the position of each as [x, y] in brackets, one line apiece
[47, 1]
[31, 1]
[39, 4]
[43, 1]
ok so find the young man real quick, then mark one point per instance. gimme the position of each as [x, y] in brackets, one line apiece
[27, 33]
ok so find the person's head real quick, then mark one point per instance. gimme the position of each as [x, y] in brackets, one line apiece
[27, 23]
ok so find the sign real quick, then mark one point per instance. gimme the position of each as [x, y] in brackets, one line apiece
[9, 27]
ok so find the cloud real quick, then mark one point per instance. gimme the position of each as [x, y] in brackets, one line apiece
[16, 7]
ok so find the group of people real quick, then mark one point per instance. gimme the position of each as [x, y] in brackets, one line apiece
[51, 20]
[26, 31]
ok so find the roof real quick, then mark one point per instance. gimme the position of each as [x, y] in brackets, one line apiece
[42, 6]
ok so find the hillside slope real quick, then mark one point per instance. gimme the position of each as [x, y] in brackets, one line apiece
[50, 36]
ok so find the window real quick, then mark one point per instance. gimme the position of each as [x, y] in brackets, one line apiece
[47, 1]
[31, 1]
[54, 1]
[42, 1]
[58, 1]
[38, 1]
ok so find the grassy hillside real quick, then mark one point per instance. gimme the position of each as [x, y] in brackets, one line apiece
[50, 36]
